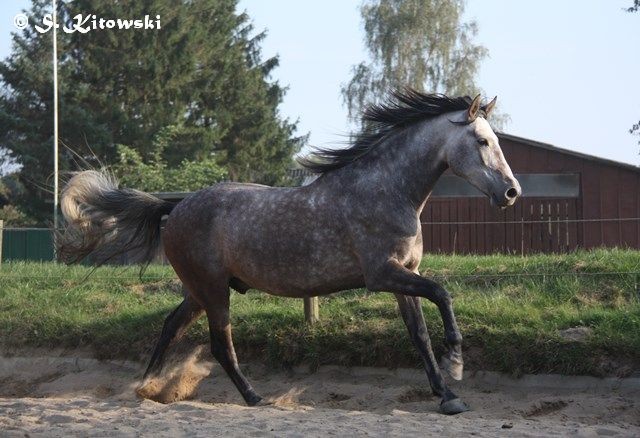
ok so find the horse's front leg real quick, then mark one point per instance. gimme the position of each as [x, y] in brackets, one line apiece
[411, 312]
[393, 277]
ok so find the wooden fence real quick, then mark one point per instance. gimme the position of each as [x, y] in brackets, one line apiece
[472, 226]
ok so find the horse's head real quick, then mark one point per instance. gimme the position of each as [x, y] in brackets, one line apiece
[473, 152]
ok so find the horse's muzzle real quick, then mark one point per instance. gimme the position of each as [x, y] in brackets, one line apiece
[508, 196]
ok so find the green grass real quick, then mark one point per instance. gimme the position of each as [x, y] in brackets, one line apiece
[510, 323]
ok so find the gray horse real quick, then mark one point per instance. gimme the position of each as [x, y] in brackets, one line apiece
[357, 225]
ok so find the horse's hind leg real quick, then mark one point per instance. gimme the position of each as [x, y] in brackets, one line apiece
[175, 325]
[222, 345]
[411, 312]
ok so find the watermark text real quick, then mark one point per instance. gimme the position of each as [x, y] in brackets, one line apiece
[85, 23]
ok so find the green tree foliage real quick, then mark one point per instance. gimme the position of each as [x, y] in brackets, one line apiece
[11, 214]
[154, 175]
[202, 71]
[635, 7]
[423, 44]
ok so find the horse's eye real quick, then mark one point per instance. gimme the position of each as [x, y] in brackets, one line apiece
[483, 141]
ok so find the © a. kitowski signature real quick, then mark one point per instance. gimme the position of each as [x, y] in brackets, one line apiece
[88, 22]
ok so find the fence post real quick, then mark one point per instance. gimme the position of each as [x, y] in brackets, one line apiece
[311, 304]
[1, 231]
[311, 310]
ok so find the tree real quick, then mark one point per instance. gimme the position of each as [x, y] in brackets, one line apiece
[9, 212]
[422, 44]
[153, 174]
[635, 7]
[203, 71]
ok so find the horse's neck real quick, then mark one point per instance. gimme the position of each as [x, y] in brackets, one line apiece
[408, 164]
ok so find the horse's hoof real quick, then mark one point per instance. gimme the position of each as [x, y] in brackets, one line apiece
[256, 400]
[453, 367]
[264, 402]
[454, 406]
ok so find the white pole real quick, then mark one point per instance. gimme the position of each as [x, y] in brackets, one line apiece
[55, 117]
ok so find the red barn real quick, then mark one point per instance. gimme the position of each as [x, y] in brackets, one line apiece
[570, 200]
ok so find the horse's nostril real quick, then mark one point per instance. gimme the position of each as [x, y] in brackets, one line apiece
[511, 193]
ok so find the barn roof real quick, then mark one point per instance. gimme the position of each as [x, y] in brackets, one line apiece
[538, 144]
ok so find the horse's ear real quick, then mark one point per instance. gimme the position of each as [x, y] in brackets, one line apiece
[489, 107]
[472, 113]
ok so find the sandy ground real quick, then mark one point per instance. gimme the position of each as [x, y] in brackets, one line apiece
[66, 396]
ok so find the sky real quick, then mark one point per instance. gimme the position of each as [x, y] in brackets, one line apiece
[566, 72]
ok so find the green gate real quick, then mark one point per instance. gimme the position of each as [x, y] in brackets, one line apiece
[30, 244]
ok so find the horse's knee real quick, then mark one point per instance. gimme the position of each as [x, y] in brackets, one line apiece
[443, 296]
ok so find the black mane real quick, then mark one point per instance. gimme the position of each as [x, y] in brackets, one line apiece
[401, 109]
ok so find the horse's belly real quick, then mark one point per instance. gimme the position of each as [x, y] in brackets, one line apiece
[294, 270]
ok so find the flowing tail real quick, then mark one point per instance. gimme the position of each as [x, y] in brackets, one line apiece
[104, 221]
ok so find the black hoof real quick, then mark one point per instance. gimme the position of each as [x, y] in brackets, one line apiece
[255, 400]
[454, 406]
